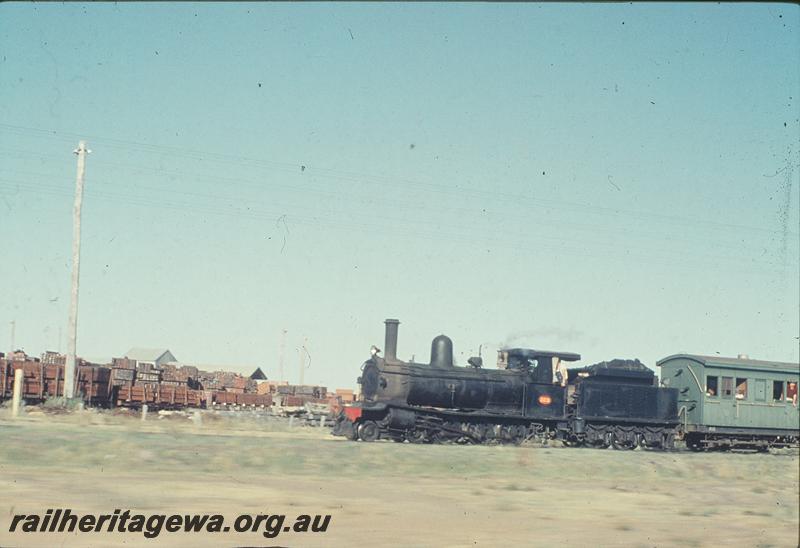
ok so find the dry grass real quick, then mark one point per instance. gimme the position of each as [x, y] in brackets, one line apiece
[384, 493]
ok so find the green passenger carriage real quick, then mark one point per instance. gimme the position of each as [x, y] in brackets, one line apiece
[734, 402]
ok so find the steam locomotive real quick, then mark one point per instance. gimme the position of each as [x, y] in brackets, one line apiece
[530, 395]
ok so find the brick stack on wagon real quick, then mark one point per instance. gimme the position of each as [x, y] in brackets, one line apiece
[44, 378]
[155, 378]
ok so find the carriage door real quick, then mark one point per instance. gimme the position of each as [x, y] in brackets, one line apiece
[758, 410]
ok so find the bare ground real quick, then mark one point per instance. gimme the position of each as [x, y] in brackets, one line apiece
[385, 494]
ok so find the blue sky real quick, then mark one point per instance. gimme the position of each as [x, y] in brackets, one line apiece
[611, 179]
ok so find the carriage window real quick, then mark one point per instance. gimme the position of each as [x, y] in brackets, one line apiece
[741, 389]
[711, 386]
[761, 390]
[777, 390]
[727, 387]
[791, 392]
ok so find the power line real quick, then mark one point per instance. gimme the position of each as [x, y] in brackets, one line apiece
[506, 241]
[420, 219]
[249, 211]
[417, 220]
[294, 167]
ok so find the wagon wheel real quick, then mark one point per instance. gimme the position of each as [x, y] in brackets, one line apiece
[623, 444]
[478, 433]
[573, 442]
[416, 436]
[693, 443]
[368, 431]
[518, 434]
[653, 446]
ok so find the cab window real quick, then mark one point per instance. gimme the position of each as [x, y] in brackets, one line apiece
[712, 389]
[727, 387]
[777, 390]
[741, 389]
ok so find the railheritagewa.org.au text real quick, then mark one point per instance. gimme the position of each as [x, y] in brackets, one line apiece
[61, 520]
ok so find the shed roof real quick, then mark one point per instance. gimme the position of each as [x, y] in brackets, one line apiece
[258, 375]
[734, 363]
[146, 354]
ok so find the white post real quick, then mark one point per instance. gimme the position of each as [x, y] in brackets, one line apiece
[72, 332]
[17, 396]
[144, 412]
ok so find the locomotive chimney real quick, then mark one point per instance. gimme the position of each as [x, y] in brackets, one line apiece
[390, 345]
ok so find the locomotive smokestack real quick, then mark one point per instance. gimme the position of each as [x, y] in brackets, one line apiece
[390, 345]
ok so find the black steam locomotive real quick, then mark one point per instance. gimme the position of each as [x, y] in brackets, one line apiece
[531, 395]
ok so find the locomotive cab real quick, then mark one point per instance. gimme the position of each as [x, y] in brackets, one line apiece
[543, 364]
[544, 392]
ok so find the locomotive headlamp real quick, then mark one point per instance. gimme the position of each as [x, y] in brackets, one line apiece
[544, 399]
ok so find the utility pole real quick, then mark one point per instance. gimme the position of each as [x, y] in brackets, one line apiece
[303, 360]
[283, 350]
[72, 330]
[302, 364]
[13, 332]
